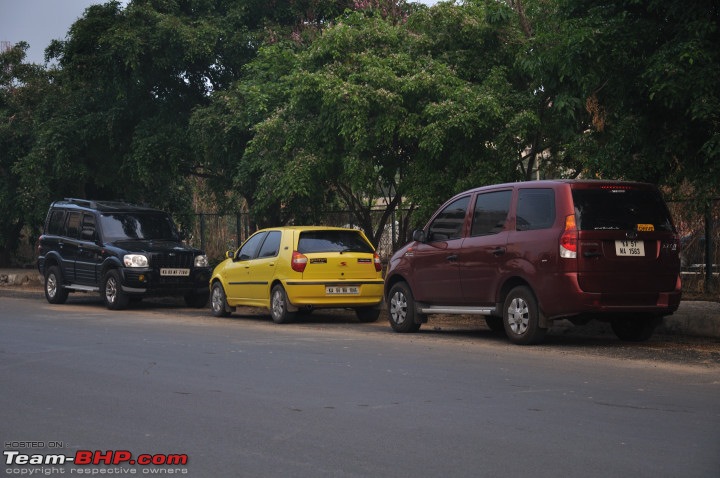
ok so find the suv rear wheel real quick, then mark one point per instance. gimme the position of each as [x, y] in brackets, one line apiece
[401, 308]
[113, 294]
[55, 293]
[521, 317]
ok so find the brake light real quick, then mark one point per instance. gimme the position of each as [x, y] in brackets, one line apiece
[569, 239]
[298, 262]
[378, 264]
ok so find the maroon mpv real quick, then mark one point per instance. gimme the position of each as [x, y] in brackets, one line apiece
[525, 254]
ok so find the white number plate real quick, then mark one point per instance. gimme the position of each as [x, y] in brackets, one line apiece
[174, 272]
[348, 290]
[629, 248]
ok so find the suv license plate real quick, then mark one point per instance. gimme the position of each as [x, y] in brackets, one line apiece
[630, 248]
[348, 290]
[174, 272]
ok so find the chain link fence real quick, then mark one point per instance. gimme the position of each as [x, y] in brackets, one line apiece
[218, 233]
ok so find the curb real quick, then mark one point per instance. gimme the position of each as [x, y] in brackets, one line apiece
[693, 318]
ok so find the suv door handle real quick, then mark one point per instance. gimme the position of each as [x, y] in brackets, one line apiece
[498, 251]
[452, 258]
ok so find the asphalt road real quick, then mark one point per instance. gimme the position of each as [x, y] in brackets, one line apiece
[331, 397]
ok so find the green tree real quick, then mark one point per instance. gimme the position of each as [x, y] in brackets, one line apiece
[23, 88]
[412, 106]
[639, 79]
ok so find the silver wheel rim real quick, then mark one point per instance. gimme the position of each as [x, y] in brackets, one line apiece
[217, 300]
[111, 290]
[51, 285]
[398, 307]
[278, 304]
[518, 316]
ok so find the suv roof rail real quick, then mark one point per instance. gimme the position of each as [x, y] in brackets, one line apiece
[81, 202]
[102, 204]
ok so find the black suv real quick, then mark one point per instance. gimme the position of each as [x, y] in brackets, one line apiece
[120, 250]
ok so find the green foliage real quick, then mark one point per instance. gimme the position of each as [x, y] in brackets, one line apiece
[640, 81]
[291, 107]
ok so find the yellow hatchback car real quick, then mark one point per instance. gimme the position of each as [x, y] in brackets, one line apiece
[289, 269]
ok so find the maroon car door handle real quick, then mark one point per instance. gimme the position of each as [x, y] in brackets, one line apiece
[452, 258]
[498, 251]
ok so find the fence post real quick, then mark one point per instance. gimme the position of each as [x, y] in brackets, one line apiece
[709, 248]
[202, 231]
[238, 226]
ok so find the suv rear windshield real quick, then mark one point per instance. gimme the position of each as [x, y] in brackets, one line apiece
[332, 241]
[620, 209]
[136, 225]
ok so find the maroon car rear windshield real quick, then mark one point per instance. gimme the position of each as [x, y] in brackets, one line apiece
[620, 209]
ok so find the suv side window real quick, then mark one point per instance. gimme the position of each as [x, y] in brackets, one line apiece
[248, 250]
[271, 246]
[74, 225]
[449, 222]
[88, 227]
[56, 223]
[535, 209]
[491, 210]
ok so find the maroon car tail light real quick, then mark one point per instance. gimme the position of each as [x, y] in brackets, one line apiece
[378, 264]
[569, 239]
[298, 262]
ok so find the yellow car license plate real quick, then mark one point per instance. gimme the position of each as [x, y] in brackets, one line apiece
[340, 290]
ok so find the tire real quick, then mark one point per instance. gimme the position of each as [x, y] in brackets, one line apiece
[218, 301]
[55, 293]
[521, 317]
[279, 306]
[197, 301]
[367, 314]
[401, 309]
[495, 324]
[115, 298]
[631, 329]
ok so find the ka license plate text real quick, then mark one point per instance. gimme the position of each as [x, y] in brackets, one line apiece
[174, 272]
[339, 290]
[629, 248]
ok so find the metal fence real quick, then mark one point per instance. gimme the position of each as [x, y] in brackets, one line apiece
[218, 233]
[699, 231]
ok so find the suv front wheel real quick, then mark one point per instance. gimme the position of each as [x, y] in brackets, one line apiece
[113, 294]
[55, 293]
[521, 317]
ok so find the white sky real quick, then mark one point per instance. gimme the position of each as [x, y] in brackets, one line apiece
[38, 22]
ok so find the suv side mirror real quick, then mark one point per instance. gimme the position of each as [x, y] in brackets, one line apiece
[419, 235]
[230, 254]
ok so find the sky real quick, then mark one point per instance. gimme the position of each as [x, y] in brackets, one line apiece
[38, 22]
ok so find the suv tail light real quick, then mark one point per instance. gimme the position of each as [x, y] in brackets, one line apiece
[378, 264]
[298, 262]
[569, 239]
